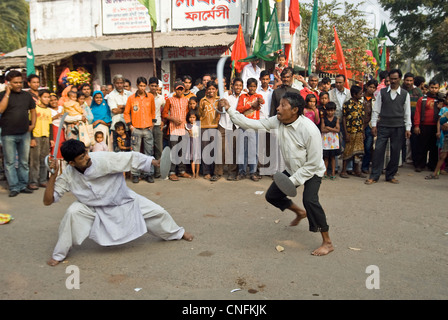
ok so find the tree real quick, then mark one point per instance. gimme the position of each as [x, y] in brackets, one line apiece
[14, 17]
[421, 28]
[352, 31]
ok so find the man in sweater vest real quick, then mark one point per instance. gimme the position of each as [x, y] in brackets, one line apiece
[391, 119]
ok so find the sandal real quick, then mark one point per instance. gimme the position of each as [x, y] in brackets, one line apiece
[370, 181]
[254, 177]
[333, 178]
[431, 177]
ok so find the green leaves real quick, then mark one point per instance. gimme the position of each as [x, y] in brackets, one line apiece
[14, 16]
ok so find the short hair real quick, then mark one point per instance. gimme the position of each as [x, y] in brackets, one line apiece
[153, 80]
[141, 80]
[309, 97]
[287, 70]
[43, 91]
[313, 76]
[206, 75]
[341, 76]
[72, 92]
[330, 106]
[251, 81]
[408, 75]
[326, 80]
[128, 81]
[418, 80]
[433, 82]
[264, 73]
[323, 93]
[32, 76]
[13, 74]
[99, 133]
[372, 81]
[295, 100]
[120, 124]
[187, 78]
[117, 77]
[396, 71]
[211, 84]
[71, 149]
[80, 94]
[237, 80]
[282, 56]
[355, 89]
[383, 75]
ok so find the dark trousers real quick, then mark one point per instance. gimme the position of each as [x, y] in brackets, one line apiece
[178, 145]
[426, 142]
[310, 199]
[396, 136]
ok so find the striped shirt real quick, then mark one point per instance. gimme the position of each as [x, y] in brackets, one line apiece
[176, 108]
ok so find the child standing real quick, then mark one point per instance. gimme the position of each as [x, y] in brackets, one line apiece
[56, 112]
[41, 141]
[324, 98]
[100, 144]
[193, 103]
[330, 138]
[122, 138]
[310, 111]
[194, 130]
[249, 104]
[353, 122]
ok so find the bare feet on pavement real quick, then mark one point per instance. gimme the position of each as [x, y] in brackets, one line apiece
[300, 213]
[187, 236]
[324, 249]
[53, 262]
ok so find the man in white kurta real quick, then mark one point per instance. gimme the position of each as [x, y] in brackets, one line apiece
[300, 143]
[106, 210]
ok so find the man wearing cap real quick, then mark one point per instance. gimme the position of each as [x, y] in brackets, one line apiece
[175, 111]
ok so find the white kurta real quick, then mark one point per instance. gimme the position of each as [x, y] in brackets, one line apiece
[106, 210]
[300, 144]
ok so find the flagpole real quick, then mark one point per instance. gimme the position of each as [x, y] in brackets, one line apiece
[153, 52]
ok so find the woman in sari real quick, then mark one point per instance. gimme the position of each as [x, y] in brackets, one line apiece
[102, 118]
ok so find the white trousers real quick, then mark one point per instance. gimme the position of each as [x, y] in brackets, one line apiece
[78, 219]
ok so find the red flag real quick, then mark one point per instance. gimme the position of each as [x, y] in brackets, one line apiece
[239, 51]
[340, 58]
[293, 16]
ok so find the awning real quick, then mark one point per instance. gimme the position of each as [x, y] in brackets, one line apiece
[50, 51]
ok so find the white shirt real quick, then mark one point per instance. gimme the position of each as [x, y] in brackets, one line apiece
[393, 94]
[250, 72]
[266, 107]
[115, 99]
[103, 188]
[160, 103]
[225, 121]
[300, 143]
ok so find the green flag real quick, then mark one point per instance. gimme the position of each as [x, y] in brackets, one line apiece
[271, 42]
[263, 14]
[29, 55]
[383, 58]
[313, 39]
[151, 6]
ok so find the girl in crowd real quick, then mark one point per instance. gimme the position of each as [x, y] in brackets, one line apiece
[310, 111]
[330, 138]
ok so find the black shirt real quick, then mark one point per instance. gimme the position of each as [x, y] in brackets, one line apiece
[16, 119]
[277, 95]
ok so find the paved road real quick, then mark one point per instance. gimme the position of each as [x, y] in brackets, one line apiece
[391, 236]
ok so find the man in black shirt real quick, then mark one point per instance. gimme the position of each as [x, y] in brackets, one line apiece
[18, 119]
[287, 80]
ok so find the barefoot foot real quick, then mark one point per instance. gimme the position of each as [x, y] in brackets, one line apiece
[53, 262]
[301, 214]
[187, 236]
[323, 250]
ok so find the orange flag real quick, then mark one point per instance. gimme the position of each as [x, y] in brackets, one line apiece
[239, 51]
[340, 58]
